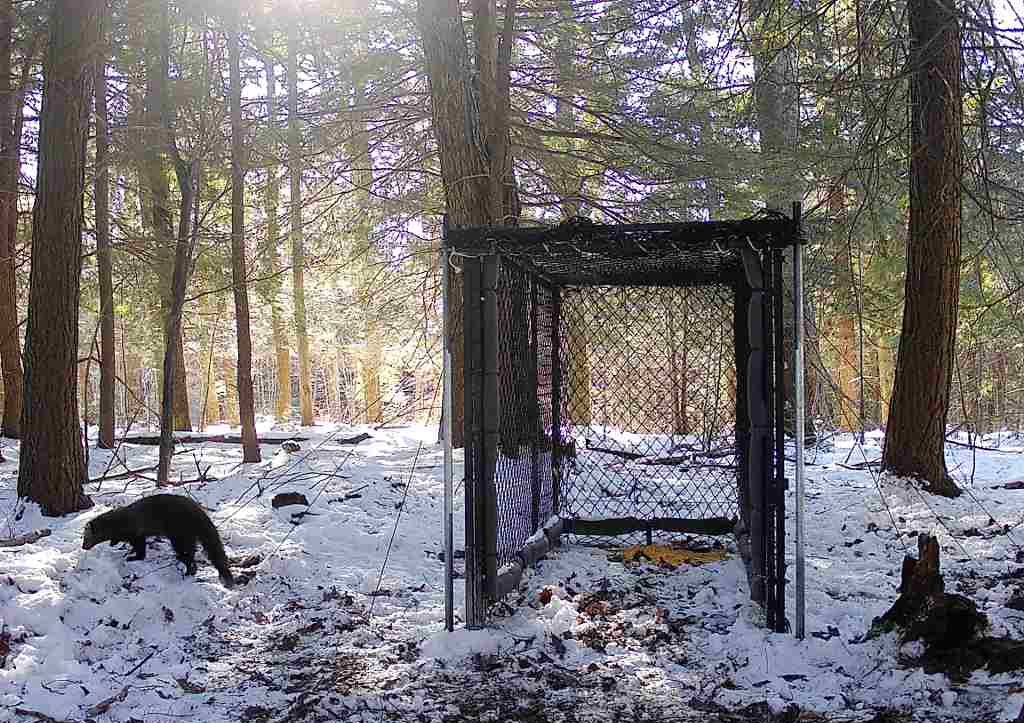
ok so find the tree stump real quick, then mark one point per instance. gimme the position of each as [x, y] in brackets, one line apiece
[949, 626]
[924, 611]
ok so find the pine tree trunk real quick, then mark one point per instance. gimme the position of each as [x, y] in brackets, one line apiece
[298, 244]
[10, 142]
[182, 407]
[211, 405]
[916, 432]
[108, 363]
[679, 373]
[246, 410]
[847, 373]
[153, 166]
[778, 121]
[470, 121]
[229, 377]
[579, 389]
[270, 288]
[362, 164]
[52, 469]
[579, 383]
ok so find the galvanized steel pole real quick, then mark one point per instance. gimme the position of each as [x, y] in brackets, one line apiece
[446, 425]
[798, 389]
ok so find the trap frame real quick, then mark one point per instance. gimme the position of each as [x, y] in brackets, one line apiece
[621, 381]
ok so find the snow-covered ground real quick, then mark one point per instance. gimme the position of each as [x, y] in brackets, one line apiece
[315, 631]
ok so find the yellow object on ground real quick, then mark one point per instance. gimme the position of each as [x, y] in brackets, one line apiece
[673, 557]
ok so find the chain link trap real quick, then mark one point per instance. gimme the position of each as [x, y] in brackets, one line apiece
[621, 383]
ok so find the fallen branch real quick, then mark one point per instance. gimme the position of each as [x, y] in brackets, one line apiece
[26, 539]
[236, 439]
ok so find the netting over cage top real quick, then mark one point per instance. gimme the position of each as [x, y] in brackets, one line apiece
[582, 253]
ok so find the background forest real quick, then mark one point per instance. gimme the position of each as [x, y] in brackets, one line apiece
[320, 185]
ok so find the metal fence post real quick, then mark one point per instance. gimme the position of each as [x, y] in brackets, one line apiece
[798, 394]
[446, 425]
[473, 441]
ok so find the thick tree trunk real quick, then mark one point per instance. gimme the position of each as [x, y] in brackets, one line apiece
[153, 165]
[246, 410]
[52, 469]
[916, 432]
[10, 155]
[108, 364]
[778, 122]
[270, 288]
[471, 126]
[362, 163]
[298, 244]
[174, 355]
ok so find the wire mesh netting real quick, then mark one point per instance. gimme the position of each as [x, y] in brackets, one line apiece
[649, 400]
[523, 476]
[602, 386]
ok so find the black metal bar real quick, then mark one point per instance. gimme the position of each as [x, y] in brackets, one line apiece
[768, 459]
[776, 231]
[779, 477]
[473, 441]
[490, 420]
[556, 401]
[615, 526]
[536, 429]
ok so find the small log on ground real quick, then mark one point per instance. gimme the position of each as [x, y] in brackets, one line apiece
[615, 452]
[26, 539]
[949, 625]
[289, 498]
[235, 439]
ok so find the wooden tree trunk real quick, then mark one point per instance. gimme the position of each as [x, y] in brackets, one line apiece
[916, 432]
[153, 166]
[848, 373]
[108, 363]
[211, 405]
[362, 163]
[247, 412]
[470, 121]
[298, 244]
[229, 377]
[270, 288]
[10, 142]
[679, 373]
[578, 391]
[778, 121]
[579, 383]
[52, 469]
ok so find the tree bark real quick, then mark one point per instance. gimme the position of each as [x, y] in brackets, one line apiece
[52, 469]
[298, 245]
[270, 288]
[108, 363]
[246, 410]
[847, 373]
[211, 405]
[471, 127]
[10, 141]
[778, 122]
[229, 377]
[362, 164]
[916, 432]
[155, 145]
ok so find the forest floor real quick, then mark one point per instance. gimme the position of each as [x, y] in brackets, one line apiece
[314, 631]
